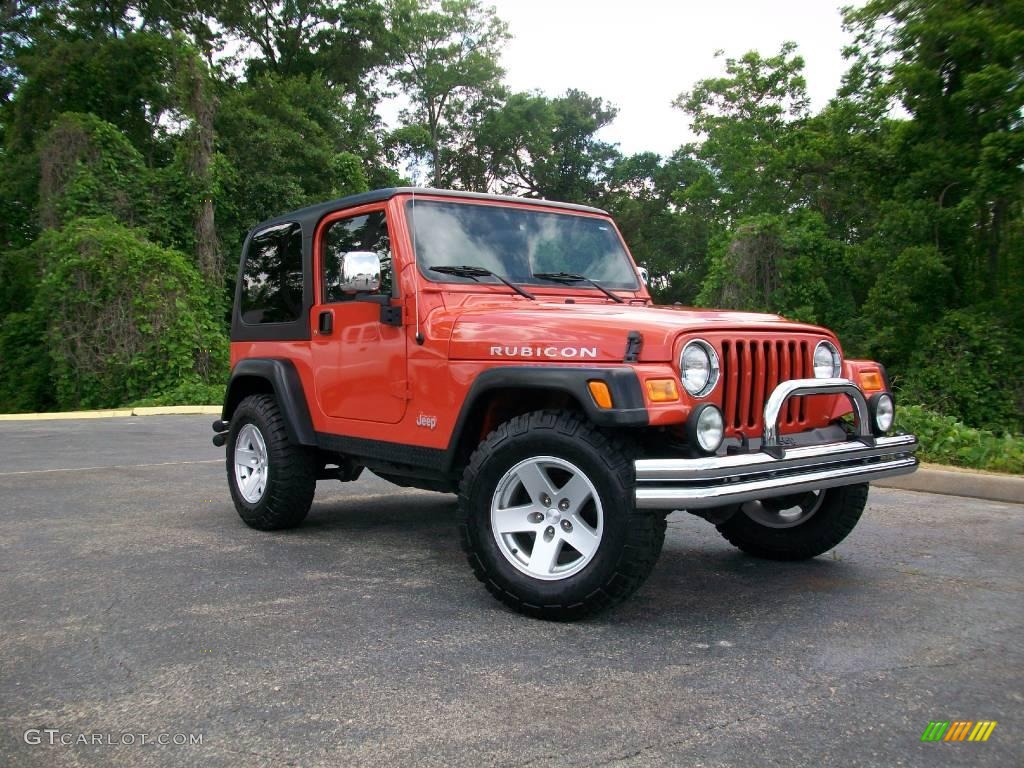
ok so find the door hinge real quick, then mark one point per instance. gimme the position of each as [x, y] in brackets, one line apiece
[390, 315]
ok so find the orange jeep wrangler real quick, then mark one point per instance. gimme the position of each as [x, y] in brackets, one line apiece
[508, 350]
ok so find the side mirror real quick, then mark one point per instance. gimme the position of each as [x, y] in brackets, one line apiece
[644, 275]
[360, 272]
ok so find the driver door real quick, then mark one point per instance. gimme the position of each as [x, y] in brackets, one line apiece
[358, 361]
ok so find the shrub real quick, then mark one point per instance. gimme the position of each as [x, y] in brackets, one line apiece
[24, 364]
[192, 391]
[125, 319]
[968, 365]
[784, 264]
[908, 297]
[89, 168]
[944, 440]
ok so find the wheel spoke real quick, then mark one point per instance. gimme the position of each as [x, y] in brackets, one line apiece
[771, 514]
[246, 457]
[582, 537]
[251, 482]
[545, 553]
[535, 480]
[577, 492]
[513, 519]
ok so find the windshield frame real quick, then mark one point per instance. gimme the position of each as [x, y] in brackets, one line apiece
[525, 207]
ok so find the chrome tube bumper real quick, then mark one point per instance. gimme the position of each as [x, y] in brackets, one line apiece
[714, 481]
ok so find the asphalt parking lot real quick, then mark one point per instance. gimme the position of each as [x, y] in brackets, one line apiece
[134, 601]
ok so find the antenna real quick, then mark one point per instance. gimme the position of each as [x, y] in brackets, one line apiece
[415, 258]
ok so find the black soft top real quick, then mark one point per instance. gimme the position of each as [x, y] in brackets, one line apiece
[311, 214]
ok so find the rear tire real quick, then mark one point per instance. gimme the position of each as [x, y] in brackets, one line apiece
[766, 530]
[570, 541]
[272, 480]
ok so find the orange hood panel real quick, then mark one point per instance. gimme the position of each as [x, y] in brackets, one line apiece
[587, 332]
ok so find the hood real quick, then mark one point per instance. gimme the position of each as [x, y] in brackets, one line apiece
[589, 332]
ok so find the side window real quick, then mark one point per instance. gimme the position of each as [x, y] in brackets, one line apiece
[368, 232]
[272, 277]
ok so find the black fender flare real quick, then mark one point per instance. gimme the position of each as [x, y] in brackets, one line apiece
[278, 375]
[628, 400]
[629, 409]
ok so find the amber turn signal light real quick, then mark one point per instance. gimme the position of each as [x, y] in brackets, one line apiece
[871, 381]
[599, 391]
[662, 390]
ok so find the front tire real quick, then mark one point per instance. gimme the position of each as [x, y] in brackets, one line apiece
[272, 480]
[548, 520]
[798, 527]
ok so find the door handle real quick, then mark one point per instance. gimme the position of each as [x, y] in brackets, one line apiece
[325, 323]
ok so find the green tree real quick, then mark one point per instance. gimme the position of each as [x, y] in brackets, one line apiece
[747, 120]
[447, 53]
[283, 142]
[127, 81]
[667, 227]
[958, 69]
[343, 43]
[547, 147]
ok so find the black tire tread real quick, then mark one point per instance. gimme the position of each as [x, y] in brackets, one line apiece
[839, 514]
[293, 469]
[645, 529]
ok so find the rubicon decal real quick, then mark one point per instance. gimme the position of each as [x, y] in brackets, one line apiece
[958, 730]
[549, 351]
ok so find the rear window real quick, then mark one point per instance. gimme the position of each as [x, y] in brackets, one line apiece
[272, 276]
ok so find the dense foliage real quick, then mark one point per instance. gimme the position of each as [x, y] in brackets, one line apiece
[115, 318]
[158, 135]
[945, 440]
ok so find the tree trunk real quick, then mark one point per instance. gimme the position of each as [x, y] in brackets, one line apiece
[203, 107]
[435, 152]
[994, 241]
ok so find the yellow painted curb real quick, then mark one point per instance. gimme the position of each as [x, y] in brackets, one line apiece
[66, 415]
[165, 410]
[156, 410]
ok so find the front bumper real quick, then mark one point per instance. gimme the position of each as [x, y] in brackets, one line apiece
[715, 481]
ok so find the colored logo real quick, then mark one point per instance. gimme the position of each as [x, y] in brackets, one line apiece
[958, 730]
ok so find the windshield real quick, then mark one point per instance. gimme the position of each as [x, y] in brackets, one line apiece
[517, 243]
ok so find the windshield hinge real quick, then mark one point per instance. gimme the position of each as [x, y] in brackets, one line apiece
[634, 341]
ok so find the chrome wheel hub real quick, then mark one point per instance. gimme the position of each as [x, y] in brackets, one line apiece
[251, 464]
[546, 518]
[784, 513]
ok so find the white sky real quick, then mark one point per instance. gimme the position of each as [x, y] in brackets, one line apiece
[640, 54]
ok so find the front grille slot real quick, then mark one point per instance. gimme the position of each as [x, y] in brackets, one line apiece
[751, 369]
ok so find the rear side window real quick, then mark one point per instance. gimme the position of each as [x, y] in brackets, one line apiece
[272, 277]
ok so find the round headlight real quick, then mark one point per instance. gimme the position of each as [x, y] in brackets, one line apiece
[884, 411]
[698, 368]
[705, 429]
[710, 429]
[827, 363]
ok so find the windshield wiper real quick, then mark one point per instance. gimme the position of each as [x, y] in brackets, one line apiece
[475, 272]
[572, 277]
